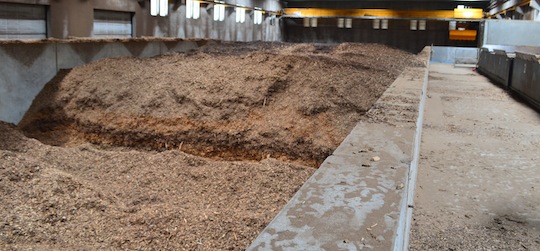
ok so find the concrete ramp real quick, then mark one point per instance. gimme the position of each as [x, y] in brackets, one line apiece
[354, 199]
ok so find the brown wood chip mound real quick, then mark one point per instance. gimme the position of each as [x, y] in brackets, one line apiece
[242, 108]
[84, 198]
[229, 101]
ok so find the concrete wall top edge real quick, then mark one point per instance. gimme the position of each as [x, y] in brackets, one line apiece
[529, 57]
[105, 40]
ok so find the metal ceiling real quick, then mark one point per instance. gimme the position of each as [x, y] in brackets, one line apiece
[386, 4]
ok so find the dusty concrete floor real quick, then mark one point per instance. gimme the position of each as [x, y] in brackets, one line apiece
[479, 178]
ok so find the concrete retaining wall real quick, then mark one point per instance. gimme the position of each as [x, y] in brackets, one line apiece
[496, 65]
[526, 77]
[506, 38]
[27, 67]
[519, 72]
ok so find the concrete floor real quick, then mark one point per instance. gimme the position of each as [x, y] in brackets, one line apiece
[479, 178]
[478, 167]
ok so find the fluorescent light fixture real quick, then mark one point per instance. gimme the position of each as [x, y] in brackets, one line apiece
[341, 22]
[422, 25]
[163, 7]
[348, 23]
[452, 25]
[306, 22]
[314, 22]
[154, 7]
[384, 24]
[222, 12]
[189, 8]
[216, 12]
[240, 15]
[193, 9]
[461, 7]
[219, 12]
[414, 25]
[376, 24]
[159, 7]
[257, 17]
[196, 9]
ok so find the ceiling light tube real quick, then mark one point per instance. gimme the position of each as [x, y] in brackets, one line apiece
[154, 7]
[163, 7]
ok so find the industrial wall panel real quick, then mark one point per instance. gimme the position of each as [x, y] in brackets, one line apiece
[112, 24]
[397, 35]
[511, 32]
[22, 21]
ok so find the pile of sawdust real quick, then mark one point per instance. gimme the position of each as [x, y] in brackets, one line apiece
[230, 101]
[84, 198]
[258, 102]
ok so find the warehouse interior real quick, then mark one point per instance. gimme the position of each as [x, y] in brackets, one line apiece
[269, 124]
